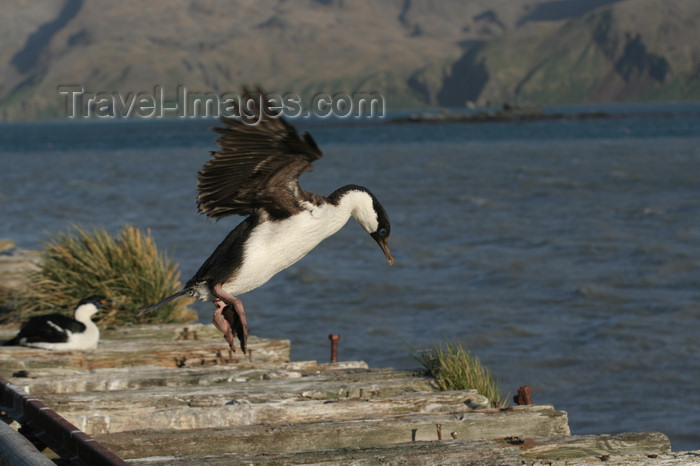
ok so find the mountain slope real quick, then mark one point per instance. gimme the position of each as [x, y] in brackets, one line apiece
[634, 50]
[414, 53]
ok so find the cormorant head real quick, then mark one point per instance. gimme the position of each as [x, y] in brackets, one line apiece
[89, 306]
[381, 233]
[369, 213]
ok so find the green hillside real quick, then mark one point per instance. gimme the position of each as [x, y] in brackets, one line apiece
[415, 53]
[611, 54]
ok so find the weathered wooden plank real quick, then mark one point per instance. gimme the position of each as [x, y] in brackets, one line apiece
[356, 374]
[253, 386]
[102, 416]
[521, 421]
[619, 449]
[458, 452]
[685, 458]
[597, 446]
[144, 352]
[147, 333]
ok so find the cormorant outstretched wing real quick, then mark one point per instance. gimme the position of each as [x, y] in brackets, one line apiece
[258, 165]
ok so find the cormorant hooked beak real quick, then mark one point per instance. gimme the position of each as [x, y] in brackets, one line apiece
[382, 242]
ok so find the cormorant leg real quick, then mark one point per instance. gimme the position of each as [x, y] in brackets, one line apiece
[234, 314]
[222, 324]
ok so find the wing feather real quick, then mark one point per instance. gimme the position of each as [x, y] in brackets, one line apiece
[257, 166]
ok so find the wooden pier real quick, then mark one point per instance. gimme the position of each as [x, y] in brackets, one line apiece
[175, 394]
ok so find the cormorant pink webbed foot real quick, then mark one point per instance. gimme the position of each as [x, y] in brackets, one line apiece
[222, 324]
[229, 318]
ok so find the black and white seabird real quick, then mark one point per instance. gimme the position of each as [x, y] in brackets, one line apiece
[60, 332]
[255, 173]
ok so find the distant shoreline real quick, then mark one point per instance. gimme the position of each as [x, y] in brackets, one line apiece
[506, 114]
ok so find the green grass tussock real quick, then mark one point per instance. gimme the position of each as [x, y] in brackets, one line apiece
[127, 269]
[454, 368]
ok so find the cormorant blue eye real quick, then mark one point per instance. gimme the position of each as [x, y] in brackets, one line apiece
[382, 232]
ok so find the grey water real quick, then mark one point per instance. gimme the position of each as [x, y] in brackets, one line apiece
[564, 254]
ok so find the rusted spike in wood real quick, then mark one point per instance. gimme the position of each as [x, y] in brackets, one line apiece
[524, 396]
[334, 337]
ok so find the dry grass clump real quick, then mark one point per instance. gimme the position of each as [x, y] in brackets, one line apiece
[454, 368]
[126, 269]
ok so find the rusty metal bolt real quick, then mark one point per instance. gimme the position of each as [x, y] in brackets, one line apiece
[334, 337]
[524, 396]
[184, 334]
